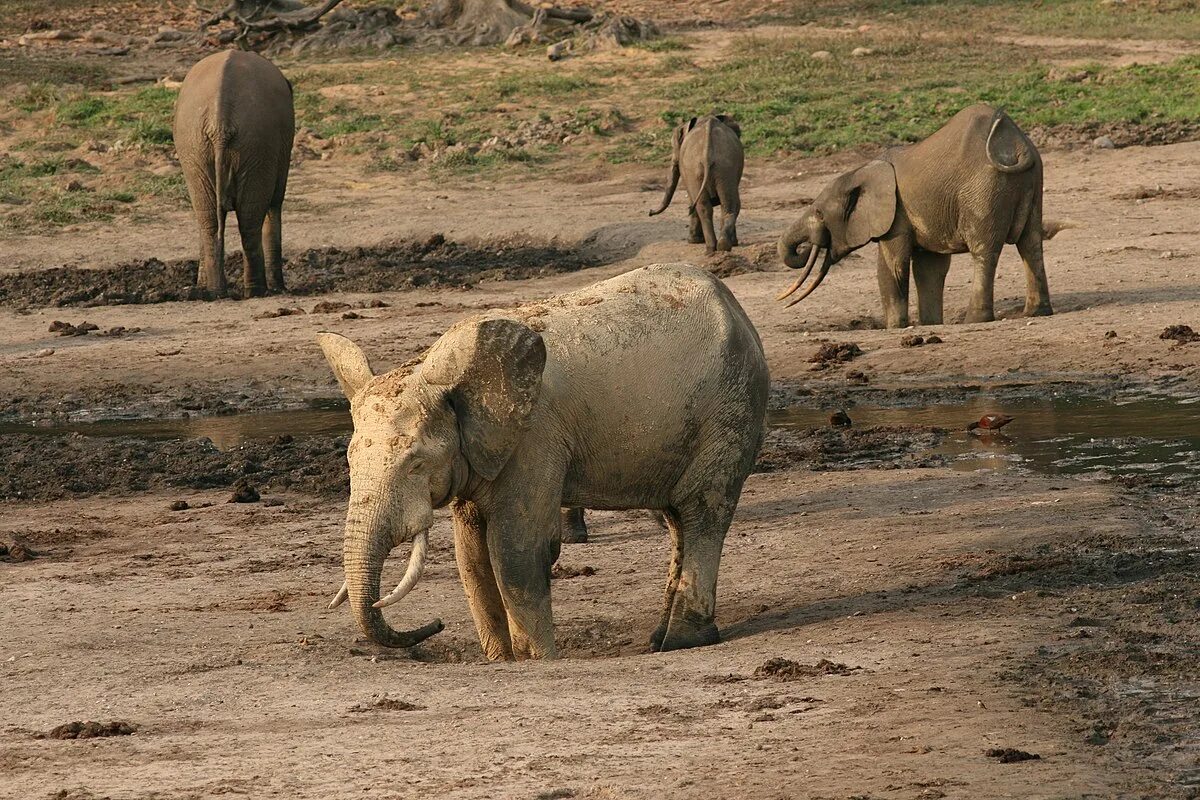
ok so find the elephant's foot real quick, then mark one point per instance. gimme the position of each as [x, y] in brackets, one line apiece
[254, 290]
[574, 535]
[980, 315]
[677, 639]
[724, 245]
[696, 238]
[1038, 310]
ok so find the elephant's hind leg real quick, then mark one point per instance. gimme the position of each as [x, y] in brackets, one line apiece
[254, 273]
[731, 206]
[929, 272]
[479, 582]
[704, 209]
[702, 524]
[574, 529]
[695, 231]
[273, 245]
[1037, 290]
[673, 570]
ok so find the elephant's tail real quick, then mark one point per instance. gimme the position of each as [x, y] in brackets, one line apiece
[704, 190]
[219, 188]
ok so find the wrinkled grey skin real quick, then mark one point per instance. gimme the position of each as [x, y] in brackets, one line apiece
[971, 187]
[647, 390]
[234, 125]
[707, 154]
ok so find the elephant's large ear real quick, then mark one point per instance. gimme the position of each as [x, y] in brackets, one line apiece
[492, 371]
[859, 206]
[348, 361]
[681, 131]
[731, 123]
[1007, 148]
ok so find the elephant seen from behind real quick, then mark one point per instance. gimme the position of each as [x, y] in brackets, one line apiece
[234, 126]
[971, 187]
[707, 153]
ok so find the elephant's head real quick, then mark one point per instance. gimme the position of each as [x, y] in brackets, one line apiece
[856, 208]
[420, 438]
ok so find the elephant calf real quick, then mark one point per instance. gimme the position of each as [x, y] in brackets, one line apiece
[707, 153]
[234, 125]
[971, 187]
[647, 390]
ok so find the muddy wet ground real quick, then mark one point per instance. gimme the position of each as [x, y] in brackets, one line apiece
[897, 600]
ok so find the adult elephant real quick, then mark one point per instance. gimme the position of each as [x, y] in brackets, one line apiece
[234, 126]
[647, 390]
[971, 187]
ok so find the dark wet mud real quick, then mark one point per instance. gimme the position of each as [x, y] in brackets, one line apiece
[393, 266]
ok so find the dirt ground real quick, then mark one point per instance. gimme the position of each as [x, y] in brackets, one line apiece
[932, 614]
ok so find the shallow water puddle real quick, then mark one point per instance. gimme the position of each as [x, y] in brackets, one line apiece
[1156, 437]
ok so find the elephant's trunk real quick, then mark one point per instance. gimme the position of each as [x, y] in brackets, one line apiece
[366, 547]
[670, 193]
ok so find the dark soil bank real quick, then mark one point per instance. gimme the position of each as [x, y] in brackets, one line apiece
[48, 467]
[395, 266]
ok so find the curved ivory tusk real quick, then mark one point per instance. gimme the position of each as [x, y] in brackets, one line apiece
[808, 268]
[341, 595]
[416, 565]
[816, 281]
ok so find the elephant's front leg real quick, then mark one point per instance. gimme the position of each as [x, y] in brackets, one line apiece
[982, 308]
[522, 539]
[479, 582]
[1037, 290]
[895, 257]
[929, 273]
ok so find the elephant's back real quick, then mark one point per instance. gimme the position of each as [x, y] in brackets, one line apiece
[234, 91]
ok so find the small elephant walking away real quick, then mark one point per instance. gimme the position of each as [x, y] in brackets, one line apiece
[971, 187]
[707, 153]
[647, 390]
[234, 126]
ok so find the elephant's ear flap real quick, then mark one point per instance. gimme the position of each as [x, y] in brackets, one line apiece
[1007, 147]
[348, 361]
[492, 371]
[865, 206]
[731, 123]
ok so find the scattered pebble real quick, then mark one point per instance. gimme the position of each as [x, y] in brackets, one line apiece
[856, 376]
[933, 339]
[1010, 755]
[243, 492]
[840, 419]
[912, 340]
[1103, 143]
[1180, 333]
[821, 55]
[43, 353]
[1110, 334]
[859, 52]
[353, 315]
[330, 307]
[560, 572]
[180, 505]
[785, 669]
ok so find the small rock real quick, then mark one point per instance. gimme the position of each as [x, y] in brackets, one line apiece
[43, 353]
[840, 419]
[243, 492]
[557, 52]
[1103, 143]
[329, 307]
[353, 315]
[860, 52]
[180, 505]
[821, 55]
[1110, 334]
[75, 185]
[912, 340]
[933, 339]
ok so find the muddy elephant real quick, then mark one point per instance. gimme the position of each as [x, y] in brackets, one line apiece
[234, 125]
[647, 390]
[971, 187]
[707, 153]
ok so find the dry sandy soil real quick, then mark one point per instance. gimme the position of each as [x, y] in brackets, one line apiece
[960, 611]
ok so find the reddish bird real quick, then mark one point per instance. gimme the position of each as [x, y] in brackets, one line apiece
[989, 423]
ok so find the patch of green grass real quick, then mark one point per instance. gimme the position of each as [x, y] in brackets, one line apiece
[1136, 19]
[142, 116]
[666, 44]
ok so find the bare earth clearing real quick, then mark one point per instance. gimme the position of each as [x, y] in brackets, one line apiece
[969, 610]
